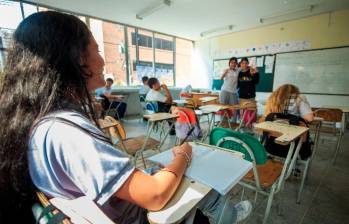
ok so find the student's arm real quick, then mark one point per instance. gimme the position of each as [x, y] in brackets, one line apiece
[224, 73]
[153, 192]
[111, 97]
[308, 117]
[168, 94]
[255, 77]
[305, 109]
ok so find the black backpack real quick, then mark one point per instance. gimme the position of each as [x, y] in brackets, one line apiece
[282, 150]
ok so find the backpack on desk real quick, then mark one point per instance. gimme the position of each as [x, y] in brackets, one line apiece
[282, 150]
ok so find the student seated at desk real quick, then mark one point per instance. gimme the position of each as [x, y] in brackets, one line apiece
[287, 99]
[145, 88]
[111, 101]
[154, 95]
[52, 142]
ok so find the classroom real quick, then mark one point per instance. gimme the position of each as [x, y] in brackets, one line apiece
[174, 111]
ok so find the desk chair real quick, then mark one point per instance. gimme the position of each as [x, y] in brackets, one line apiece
[151, 107]
[267, 176]
[132, 146]
[80, 210]
[331, 119]
[185, 122]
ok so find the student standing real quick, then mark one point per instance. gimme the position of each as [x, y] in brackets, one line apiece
[230, 76]
[247, 80]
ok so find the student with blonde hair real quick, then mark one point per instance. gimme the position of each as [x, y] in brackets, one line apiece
[287, 99]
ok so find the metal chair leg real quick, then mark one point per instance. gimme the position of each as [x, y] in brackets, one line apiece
[305, 174]
[270, 202]
[337, 149]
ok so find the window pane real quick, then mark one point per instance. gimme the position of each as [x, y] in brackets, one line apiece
[145, 55]
[184, 51]
[10, 14]
[164, 59]
[132, 56]
[29, 9]
[2, 59]
[114, 52]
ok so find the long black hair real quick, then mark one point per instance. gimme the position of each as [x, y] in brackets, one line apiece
[43, 69]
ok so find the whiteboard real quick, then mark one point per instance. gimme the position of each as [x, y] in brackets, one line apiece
[318, 71]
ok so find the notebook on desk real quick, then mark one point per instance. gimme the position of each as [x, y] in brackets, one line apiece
[218, 169]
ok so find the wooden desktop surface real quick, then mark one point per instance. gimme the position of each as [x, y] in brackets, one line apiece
[160, 116]
[285, 133]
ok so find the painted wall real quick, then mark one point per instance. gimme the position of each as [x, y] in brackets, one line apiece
[322, 31]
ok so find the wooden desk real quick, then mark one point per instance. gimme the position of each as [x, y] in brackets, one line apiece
[106, 124]
[342, 108]
[187, 196]
[208, 99]
[345, 111]
[158, 118]
[197, 96]
[285, 134]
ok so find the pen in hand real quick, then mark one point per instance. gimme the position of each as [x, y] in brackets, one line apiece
[186, 137]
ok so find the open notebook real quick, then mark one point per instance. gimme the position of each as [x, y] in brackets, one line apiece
[218, 169]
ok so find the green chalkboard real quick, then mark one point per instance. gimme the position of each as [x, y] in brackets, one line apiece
[264, 64]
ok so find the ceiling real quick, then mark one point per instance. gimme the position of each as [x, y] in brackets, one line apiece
[189, 18]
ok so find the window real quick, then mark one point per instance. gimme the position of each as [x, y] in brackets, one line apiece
[29, 9]
[10, 14]
[184, 51]
[164, 59]
[10, 17]
[132, 55]
[114, 52]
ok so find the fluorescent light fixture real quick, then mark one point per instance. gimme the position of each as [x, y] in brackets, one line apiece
[153, 8]
[217, 30]
[285, 15]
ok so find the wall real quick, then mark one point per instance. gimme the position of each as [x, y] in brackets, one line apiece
[322, 31]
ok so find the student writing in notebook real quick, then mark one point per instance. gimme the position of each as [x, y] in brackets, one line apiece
[50, 140]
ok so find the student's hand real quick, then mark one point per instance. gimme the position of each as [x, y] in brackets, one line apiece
[253, 70]
[183, 149]
[164, 86]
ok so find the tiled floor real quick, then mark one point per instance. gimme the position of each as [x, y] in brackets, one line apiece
[325, 198]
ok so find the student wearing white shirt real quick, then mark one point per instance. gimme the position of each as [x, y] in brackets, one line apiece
[154, 93]
[111, 101]
[230, 76]
[287, 99]
[145, 88]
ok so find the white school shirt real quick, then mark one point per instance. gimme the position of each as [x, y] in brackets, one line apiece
[154, 95]
[299, 106]
[68, 163]
[231, 80]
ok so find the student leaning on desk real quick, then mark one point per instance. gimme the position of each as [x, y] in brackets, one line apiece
[287, 102]
[287, 99]
[50, 140]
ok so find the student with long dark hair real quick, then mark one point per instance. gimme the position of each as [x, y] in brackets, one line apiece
[50, 140]
[247, 80]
